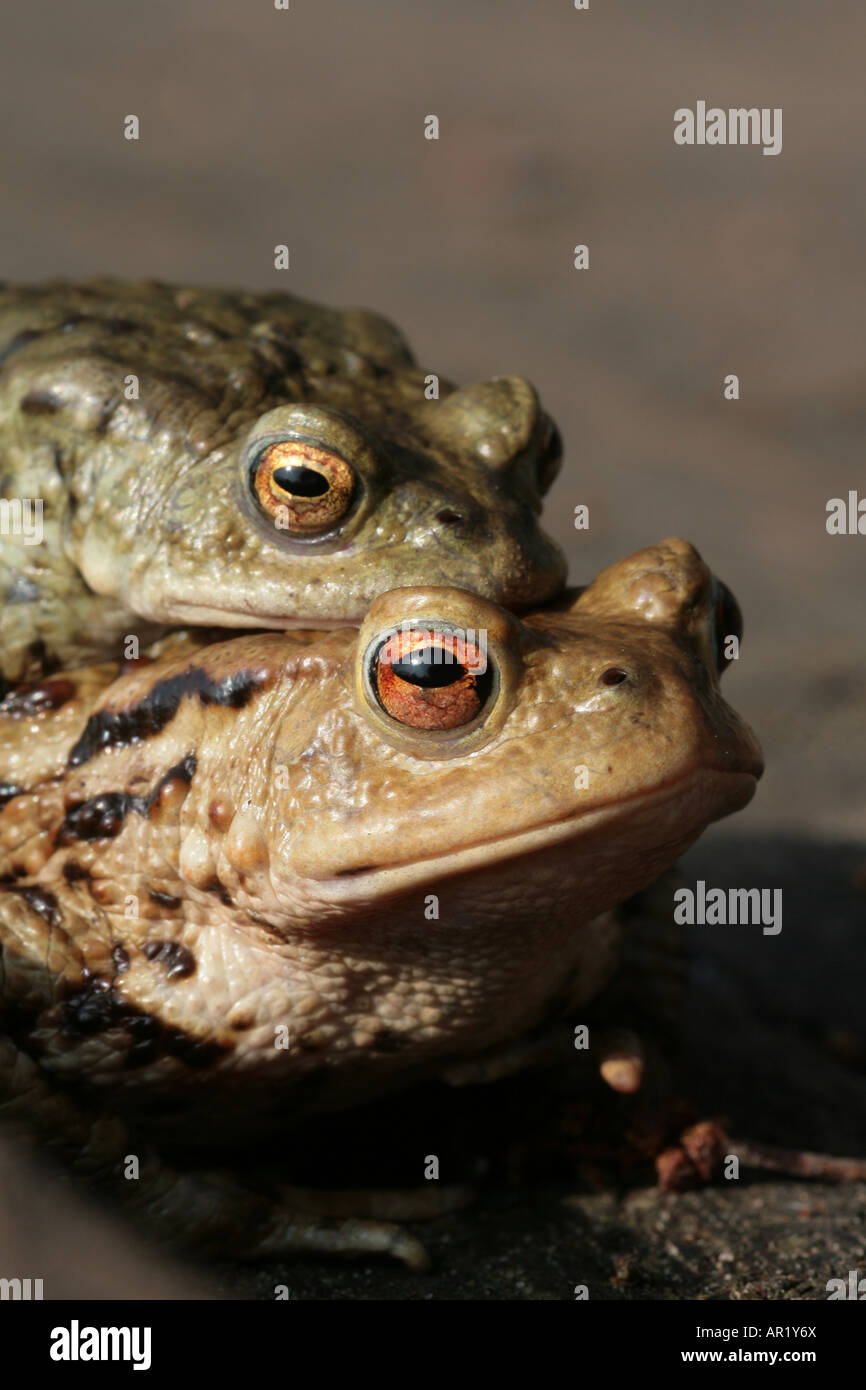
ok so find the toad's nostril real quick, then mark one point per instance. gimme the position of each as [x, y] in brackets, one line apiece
[615, 675]
[449, 517]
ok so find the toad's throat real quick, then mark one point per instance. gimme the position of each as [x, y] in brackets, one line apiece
[701, 795]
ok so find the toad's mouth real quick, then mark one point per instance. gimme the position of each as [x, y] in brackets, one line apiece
[668, 818]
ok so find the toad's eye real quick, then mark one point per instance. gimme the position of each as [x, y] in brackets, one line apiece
[550, 455]
[727, 621]
[430, 680]
[305, 489]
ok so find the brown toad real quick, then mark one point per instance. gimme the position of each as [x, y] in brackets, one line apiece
[254, 880]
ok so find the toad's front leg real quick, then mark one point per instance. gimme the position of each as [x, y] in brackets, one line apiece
[206, 1211]
[210, 1211]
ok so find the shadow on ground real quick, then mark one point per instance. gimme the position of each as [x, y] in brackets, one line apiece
[770, 1041]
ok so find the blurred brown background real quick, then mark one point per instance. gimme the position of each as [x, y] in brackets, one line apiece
[261, 126]
[305, 126]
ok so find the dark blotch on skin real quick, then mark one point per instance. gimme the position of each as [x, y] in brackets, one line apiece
[194, 1052]
[8, 791]
[92, 1009]
[26, 701]
[178, 960]
[386, 1040]
[74, 872]
[96, 1008]
[163, 899]
[116, 728]
[118, 325]
[216, 887]
[19, 341]
[183, 771]
[145, 1033]
[40, 403]
[120, 956]
[151, 1040]
[43, 901]
[39, 653]
[102, 817]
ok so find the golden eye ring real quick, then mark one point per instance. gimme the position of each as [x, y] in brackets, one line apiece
[426, 679]
[304, 489]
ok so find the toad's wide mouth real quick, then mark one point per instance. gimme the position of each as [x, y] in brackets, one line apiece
[673, 813]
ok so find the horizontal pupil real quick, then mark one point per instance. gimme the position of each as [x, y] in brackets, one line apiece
[419, 669]
[301, 482]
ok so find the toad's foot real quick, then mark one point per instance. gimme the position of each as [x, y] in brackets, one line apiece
[208, 1211]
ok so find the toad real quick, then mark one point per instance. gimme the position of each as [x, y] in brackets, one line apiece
[198, 456]
[255, 880]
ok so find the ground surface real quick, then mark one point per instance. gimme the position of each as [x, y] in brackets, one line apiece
[305, 127]
[772, 1042]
